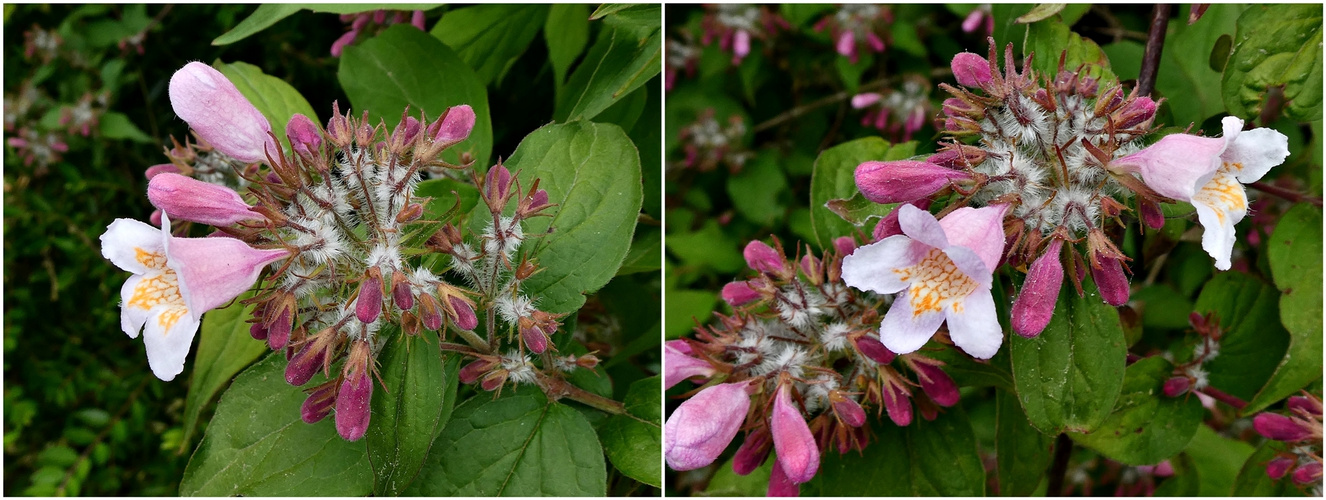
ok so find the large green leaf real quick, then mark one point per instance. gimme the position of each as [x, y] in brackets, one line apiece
[490, 37]
[224, 348]
[1276, 45]
[834, 178]
[566, 32]
[275, 98]
[1022, 452]
[1069, 376]
[1253, 341]
[517, 445]
[268, 14]
[926, 458]
[404, 66]
[1051, 38]
[1146, 426]
[626, 54]
[1217, 459]
[634, 441]
[1294, 251]
[1186, 79]
[419, 403]
[257, 445]
[592, 172]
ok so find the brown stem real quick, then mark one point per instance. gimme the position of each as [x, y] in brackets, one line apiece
[1063, 449]
[836, 98]
[1223, 397]
[1293, 196]
[557, 388]
[1155, 41]
[453, 347]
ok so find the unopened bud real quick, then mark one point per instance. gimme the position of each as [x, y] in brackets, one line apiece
[753, 452]
[258, 331]
[463, 313]
[898, 403]
[400, 291]
[306, 362]
[410, 213]
[471, 372]
[936, 384]
[1177, 386]
[533, 336]
[739, 293]
[1311, 406]
[369, 304]
[763, 258]
[1280, 428]
[847, 410]
[971, 70]
[429, 312]
[1111, 280]
[305, 138]
[319, 403]
[1308, 474]
[1035, 303]
[1278, 467]
[904, 180]
[352, 413]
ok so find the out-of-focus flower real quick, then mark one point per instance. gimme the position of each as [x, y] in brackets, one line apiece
[373, 22]
[899, 112]
[980, 18]
[708, 144]
[734, 26]
[855, 25]
[682, 57]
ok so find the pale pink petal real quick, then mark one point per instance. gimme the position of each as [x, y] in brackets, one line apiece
[218, 112]
[1176, 165]
[904, 332]
[846, 44]
[794, 445]
[874, 267]
[677, 366]
[213, 271]
[974, 326]
[865, 99]
[740, 45]
[190, 199]
[921, 226]
[970, 264]
[903, 181]
[979, 229]
[973, 20]
[702, 427]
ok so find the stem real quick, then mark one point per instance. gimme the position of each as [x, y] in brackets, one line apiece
[834, 99]
[1063, 449]
[448, 346]
[1222, 397]
[558, 388]
[1155, 41]
[472, 339]
[1293, 196]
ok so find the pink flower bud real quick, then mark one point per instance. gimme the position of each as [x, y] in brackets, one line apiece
[740, 46]
[780, 485]
[352, 413]
[1177, 386]
[305, 138]
[1035, 303]
[845, 245]
[306, 362]
[190, 199]
[338, 127]
[471, 372]
[795, 446]
[429, 312]
[936, 384]
[898, 403]
[402, 295]
[318, 404]
[739, 293]
[220, 114]
[971, 70]
[752, 453]
[258, 331]
[497, 183]
[904, 180]
[846, 45]
[763, 258]
[1137, 112]
[872, 348]
[369, 304]
[454, 127]
[701, 428]
[1278, 467]
[278, 333]
[153, 170]
[1279, 427]
[1112, 282]
[679, 366]
[1308, 405]
[1308, 474]
[464, 317]
[417, 20]
[534, 339]
[1151, 214]
[876, 43]
[848, 410]
[973, 20]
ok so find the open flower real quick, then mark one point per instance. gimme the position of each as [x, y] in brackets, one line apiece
[944, 269]
[1210, 172]
[176, 280]
[220, 114]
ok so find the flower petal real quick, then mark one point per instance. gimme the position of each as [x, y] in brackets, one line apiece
[213, 271]
[132, 316]
[872, 267]
[1254, 152]
[133, 246]
[970, 264]
[921, 226]
[1218, 232]
[702, 427]
[974, 326]
[902, 331]
[979, 229]
[168, 334]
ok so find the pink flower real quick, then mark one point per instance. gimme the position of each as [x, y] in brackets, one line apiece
[1210, 173]
[780, 485]
[186, 198]
[763, 258]
[176, 280]
[1035, 303]
[944, 269]
[904, 180]
[794, 446]
[1278, 467]
[740, 46]
[220, 114]
[701, 428]
[679, 365]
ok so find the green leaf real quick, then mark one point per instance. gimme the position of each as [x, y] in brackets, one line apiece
[685, 307]
[1040, 12]
[444, 193]
[634, 441]
[857, 210]
[926, 458]
[115, 125]
[518, 445]
[1252, 480]
[355, 8]
[275, 98]
[646, 252]
[224, 349]
[1276, 45]
[727, 483]
[623, 58]
[262, 18]
[1188, 83]
[834, 178]
[1294, 251]
[709, 247]
[1022, 452]
[592, 172]
[607, 9]
[1069, 376]
[566, 32]
[968, 372]
[1253, 341]
[755, 189]
[404, 66]
[489, 38]
[1146, 426]
[257, 445]
[800, 14]
[419, 403]
[1217, 460]
[1050, 39]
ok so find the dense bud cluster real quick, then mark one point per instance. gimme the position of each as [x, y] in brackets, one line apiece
[1300, 430]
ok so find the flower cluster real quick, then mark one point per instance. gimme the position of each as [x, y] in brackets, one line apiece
[708, 143]
[1064, 155]
[372, 22]
[733, 26]
[1300, 430]
[907, 107]
[797, 367]
[855, 25]
[682, 57]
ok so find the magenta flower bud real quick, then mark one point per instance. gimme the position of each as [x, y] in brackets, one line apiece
[1139, 111]
[740, 46]
[497, 183]
[872, 348]
[220, 114]
[1035, 303]
[848, 410]
[1279, 427]
[464, 314]
[369, 304]
[1278, 467]
[936, 384]
[971, 70]
[845, 245]
[429, 312]
[739, 293]
[318, 404]
[352, 413]
[795, 446]
[780, 485]
[701, 428]
[454, 127]
[305, 138]
[1308, 474]
[752, 453]
[973, 20]
[904, 180]
[403, 296]
[278, 333]
[471, 372]
[1112, 282]
[679, 365]
[1308, 405]
[846, 45]
[1151, 214]
[306, 362]
[876, 43]
[898, 403]
[1177, 386]
[163, 168]
[417, 20]
[763, 258]
[534, 339]
[190, 199]
[257, 331]
[888, 226]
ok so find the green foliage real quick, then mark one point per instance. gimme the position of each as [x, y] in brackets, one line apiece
[276, 99]
[489, 38]
[1253, 341]
[422, 395]
[1294, 252]
[633, 441]
[1023, 453]
[1276, 46]
[625, 55]
[1146, 426]
[834, 180]
[224, 349]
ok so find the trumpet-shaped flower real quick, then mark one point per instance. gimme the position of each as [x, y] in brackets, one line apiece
[186, 198]
[944, 269]
[215, 109]
[1210, 172]
[176, 280]
[701, 428]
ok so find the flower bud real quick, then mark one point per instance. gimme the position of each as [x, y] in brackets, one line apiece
[780, 485]
[872, 348]
[1308, 474]
[898, 402]
[454, 126]
[1280, 428]
[1137, 112]
[1311, 406]
[1177, 386]
[795, 446]
[1035, 303]
[533, 336]
[493, 380]
[971, 70]
[319, 403]
[1278, 467]
[258, 331]
[402, 137]
[278, 332]
[679, 365]
[844, 245]
[186, 198]
[352, 413]
[429, 312]
[1152, 216]
[865, 99]
[462, 313]
[471, 372]
[752, 453]
[153, 170]
[307, 361]
[701, 428]
[958, 157]
[763, 258]
[847, 410]
[936, 384]
[305, 138]
[904, 180]
[739, 293]
[369, 304]
[339, 129]
[220, 114]
[417, 20]
[1112, 282]
[497, 187]
[400, 291]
